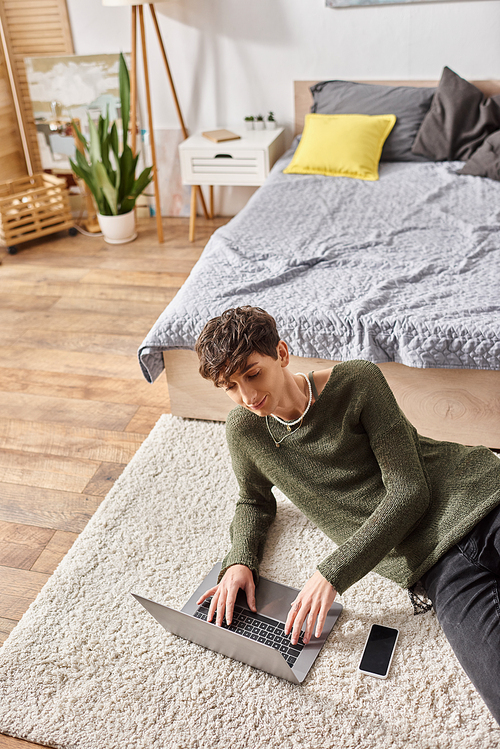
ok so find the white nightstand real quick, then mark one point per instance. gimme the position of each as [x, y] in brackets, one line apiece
[245, 161]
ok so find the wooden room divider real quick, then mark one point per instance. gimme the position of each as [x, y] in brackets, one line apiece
[31, 28]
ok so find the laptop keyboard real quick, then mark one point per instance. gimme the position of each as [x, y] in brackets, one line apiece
[260, 628]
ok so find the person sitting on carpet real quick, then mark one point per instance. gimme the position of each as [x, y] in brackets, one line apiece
[335, 442]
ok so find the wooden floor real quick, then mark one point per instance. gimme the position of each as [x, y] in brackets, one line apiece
[74, 406]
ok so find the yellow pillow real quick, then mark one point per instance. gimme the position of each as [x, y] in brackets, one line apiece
[342, 145]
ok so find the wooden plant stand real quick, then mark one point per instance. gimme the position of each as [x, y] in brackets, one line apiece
[32, 207]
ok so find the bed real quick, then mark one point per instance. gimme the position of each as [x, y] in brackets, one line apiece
[402, 271]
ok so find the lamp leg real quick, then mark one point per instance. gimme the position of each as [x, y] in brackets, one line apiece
[174, 94]
[159, 225]
[169, 74]
[133, 82]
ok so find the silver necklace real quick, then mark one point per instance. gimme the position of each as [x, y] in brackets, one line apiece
[290, 424]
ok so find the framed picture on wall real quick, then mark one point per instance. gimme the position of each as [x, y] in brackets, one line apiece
[66, 88]
[346, 3]
[72, 87]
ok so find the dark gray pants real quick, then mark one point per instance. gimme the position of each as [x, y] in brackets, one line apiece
[464, 589]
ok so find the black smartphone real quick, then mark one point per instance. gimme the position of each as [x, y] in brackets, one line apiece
[379, 649]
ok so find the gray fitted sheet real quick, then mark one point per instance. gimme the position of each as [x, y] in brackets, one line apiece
[405, 269]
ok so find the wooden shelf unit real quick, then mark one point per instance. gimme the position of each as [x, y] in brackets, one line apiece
[33, 207]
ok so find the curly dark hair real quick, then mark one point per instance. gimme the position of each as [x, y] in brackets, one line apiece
[226, 342]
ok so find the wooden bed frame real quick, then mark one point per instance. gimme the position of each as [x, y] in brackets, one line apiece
[460, 405]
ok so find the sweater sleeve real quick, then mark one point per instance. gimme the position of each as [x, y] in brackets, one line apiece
[396, 447]
[255, 508]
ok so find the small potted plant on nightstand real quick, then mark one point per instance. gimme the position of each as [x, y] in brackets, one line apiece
[270, 122]
[259, 122]
[249, 122]
[109, 174]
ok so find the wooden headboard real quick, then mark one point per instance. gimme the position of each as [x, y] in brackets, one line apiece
[303, 98]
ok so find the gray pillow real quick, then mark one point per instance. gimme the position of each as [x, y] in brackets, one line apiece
[485, 162]
[458, 122]
[410, 104]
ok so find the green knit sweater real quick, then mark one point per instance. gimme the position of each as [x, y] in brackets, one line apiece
[392, 501]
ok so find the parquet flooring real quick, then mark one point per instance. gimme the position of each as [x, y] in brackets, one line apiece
[74, 406]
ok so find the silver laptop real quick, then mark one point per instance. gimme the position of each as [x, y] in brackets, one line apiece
[254, 638]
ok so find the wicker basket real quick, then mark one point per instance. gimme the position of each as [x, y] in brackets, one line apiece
[33, 207]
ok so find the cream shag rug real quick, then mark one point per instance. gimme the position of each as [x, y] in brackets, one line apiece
[87, 667]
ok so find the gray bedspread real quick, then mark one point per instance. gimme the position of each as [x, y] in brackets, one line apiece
[406, 269]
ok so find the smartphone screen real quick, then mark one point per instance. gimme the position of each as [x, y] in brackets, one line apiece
[378, 652]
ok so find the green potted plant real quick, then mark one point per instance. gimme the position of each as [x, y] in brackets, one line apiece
[270, 122]
[259, 122]
[249, 122]
[109, 172]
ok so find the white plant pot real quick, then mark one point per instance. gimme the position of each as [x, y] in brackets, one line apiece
[258, 125]
[270, 125]
[118, 229]
[249, 124]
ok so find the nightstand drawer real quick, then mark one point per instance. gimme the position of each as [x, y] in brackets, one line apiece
[202, 167]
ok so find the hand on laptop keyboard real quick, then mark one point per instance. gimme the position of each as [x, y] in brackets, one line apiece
[313, 602]
[224, 594]
[261, 628]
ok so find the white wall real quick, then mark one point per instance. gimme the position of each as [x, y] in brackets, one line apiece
[230, 58]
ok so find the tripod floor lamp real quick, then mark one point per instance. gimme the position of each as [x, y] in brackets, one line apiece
[137, 10]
